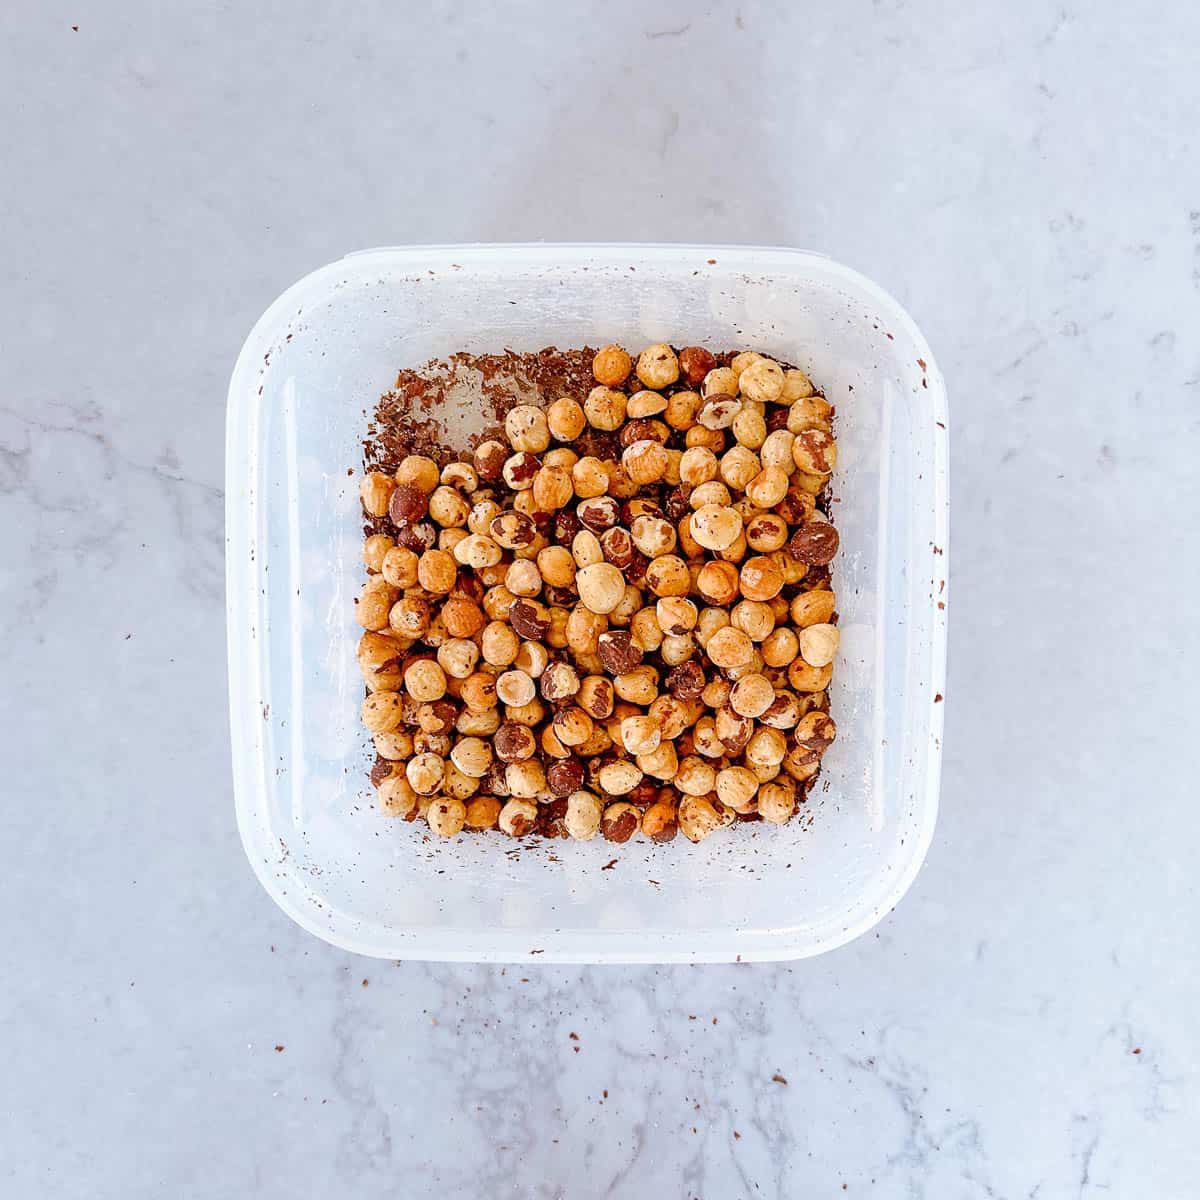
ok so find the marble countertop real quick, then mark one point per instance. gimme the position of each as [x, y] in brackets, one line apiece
[1029, 188]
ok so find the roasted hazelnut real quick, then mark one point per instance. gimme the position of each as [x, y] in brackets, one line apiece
[559, 681]
[565, 776]
[437, 572]
[659, 822]
[513, 530]
[668, 575]
[375, 550]
[640, 735]
[695, 777]
[514, 742]
[424, 680]
[611, 366]
[601, 586]
[572, 726]
[379, 660]
[738, 467]
[589, 478]
[715, 526]
[552, 489]
[642, 405]
[657, 366]
[754, 618]
[482, 812]
[425, 773]
[472, 756]
[596, 696]
[675, 615]
[738, 788]
[814, 544]
[749, 428]
[375, 491]
[410, 617]
[694, 365]
[530, 619]
[698, 818]
[515, 688]
[519, 471]
[719, 412]
[761, 578]
[457, 656]
[532, 658]
[653, 536]
[599, 513]
[618, 651]
[639, 686]
[819, 644]
[644, 461]
[605, 408]
[780, 647]
[526, 428]
[478, 693]
[619, 777]
[812, 608]
[815, 452]
[810, 412]
[399, 567]
[396, 797]
[525, 778]
[395, 745]
[446, 507]
[375, 603]
[642, 430]
[751, 696]
[582, 818]
[518, 817]
[681, 410]
[766, 533]
[382, 712]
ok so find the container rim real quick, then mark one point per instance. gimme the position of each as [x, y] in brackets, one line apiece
[786, 943]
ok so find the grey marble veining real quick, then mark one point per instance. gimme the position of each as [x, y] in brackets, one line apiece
[1025, 180]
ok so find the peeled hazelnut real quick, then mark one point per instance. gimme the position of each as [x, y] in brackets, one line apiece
[611, 366]
[645, 404]
[761, 381]
[681, 410]
[715, 527]
[601, 587]
[718, 582]
[730, 647]
[761, 578]
[810, 412]
[766, 532]
[812, 608]
[640, 735]
[482, 812]
[582, 818]
[375, 550]
[572, 726]
[526, 428]
[659, 822]
[515, 688]
[657, 366]
[815, 452]
[618, 778]
[720, 381]
[668, 575]
[737, 787]
[768, 487]
[396, 797]
[596, 696]
[605, 408]
[589, 478]
[518, 817]
[644, 461]
[738, 467]
[375, 491]
[777, 801]
[819, 644]
[599, 513]
[751, 696]
[552, 489]
[697, 818]
[382, 712]
[749, 428]
[565, 776]
[513, 530]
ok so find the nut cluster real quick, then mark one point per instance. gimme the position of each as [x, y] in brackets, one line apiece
[615, 619]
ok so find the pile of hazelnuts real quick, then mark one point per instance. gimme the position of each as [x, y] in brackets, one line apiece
[616, 620]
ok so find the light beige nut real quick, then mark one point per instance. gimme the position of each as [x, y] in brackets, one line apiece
[382, 712]
[482, 812]
[500, 644]
[518, 817]
[698, 465]
[751, 696]
[695, 777]
[730, 647]
[396, 797]
[719, 412]
[457, 657]
[653, 536]
[761, 578]
[804, 678]
[565, 419]
[749, 428]
[375, 603]
[605, 408]
[819, 644]
[640, 735]
[777, 801]
[375, 550]
[681, 410]
[768, 487]
[737, 787]
[810, 412]
[645, 404]
[425, 773]
[472, 756]
[526, 428]
[420, 471]
[762, 381]
[657, 366]
[639, 686]
[589, 478]
[375, 491]
[572, 726]
[720, 381]
[812, 608]
[815, 452]
[446, 816]
[739, 466]
[515, 688]
[644, 461]
[698, 818]
[526, 778]
[582, 819]
[796, 385]
[619, 778]
[601, 587]
[715, 526]
[780, 647]
[552, 489]
[424, 680]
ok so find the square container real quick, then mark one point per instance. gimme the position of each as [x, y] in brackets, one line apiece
[308, 376]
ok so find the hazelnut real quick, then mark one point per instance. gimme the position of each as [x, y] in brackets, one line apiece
[719, 412]
[720, 381]
[572, 726]
[425, 773]
[729, 647]
[526, 428]
[738, 467]
[749, 428]
[751, 696]
[694, 364]
[518, 817]
[715, 526]
[777, 801]
[617, 547]
[780, 647]
[639, 686]
[754, 618]
[515, 688]
[596, 696]
[619, 778]
[410, 617]
[482, 812]
[457, 656]
[379, 661]
[611, 366]
[447, 508]
[420, 471]
[681, 410]
[589, 478]
[815, 452]
[659, 821]
[396, 745]
[814, 544]
[812, 608]
[375, 491]
[644, 461]
[768, 487]
[399, 567]
[796, 385]
[653, 536]
[532, 658]
[605, 408]
[761, 578]
[620, 822]
[766, 747]
[668, 575]
[766, 532]
[761, 381]
[645, 404]
[675, 615]
[477, 550]
[565, 776]
[697, 818]
[601, 586]
[717, 582]
[810, 412]
[661, 763]
[698, 465]
[657, 366]
[599, 513]
[437, 571]
[552, 489]
[640, 735]
[375, 603]
[559, 681]
[382, 712]
[776, 451]
[582, 819]
[375, 550]
[530, 619]
[396, 797]
[819, 644]
[489, 459]
[500, 644]
[461, 476]
[478, 693]
[737, 787]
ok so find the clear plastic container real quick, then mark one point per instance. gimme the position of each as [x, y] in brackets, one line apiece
[313, 367]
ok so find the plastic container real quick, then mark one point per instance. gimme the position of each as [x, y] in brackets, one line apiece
[312, 368]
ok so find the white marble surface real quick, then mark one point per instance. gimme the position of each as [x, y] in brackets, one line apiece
[1025, 179]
